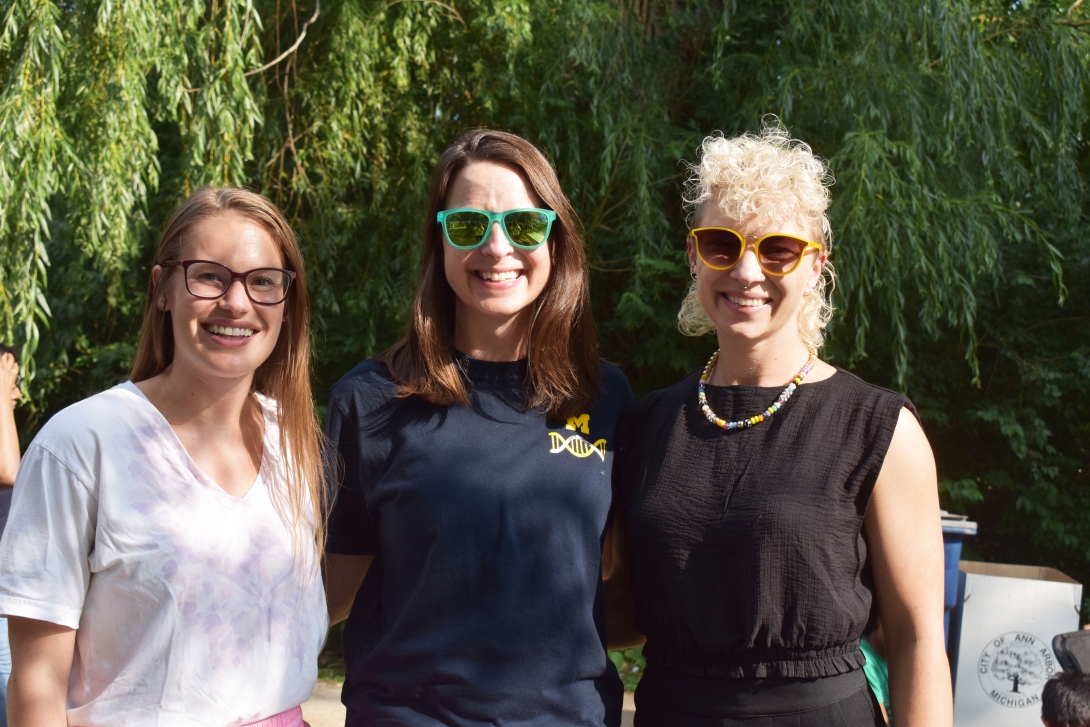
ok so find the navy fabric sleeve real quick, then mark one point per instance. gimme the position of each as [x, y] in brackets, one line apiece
[351, 531]
[615, 384]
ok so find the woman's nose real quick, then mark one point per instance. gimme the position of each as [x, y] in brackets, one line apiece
[497, 245]
[235, 297]
[748, 270]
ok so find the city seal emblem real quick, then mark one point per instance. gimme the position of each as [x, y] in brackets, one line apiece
[1014, 667]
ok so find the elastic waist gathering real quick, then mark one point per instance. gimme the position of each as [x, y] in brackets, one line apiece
[782, 662]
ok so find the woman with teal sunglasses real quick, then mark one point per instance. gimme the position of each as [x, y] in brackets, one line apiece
[465, 541]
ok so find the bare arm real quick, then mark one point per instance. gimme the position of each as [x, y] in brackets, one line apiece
[9, 437]
[621, 630]
[904, 534]
[343, 576]
[41, 660]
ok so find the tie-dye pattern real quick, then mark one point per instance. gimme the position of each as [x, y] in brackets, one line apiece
[196, 611]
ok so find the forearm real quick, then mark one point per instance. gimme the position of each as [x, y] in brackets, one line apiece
[343, 575]
[9, 446]
[41, 662]
[621, 632]
[36, 700]
[919, 681]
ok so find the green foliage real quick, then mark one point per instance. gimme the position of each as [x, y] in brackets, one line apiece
[955, 129]
[331, 660]
[630, 664]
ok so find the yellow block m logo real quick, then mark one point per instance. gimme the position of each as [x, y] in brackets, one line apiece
[580, 423]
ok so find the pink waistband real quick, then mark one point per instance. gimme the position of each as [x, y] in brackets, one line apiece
[291, 718]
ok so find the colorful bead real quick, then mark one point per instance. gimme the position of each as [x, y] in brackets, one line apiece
[702, 397]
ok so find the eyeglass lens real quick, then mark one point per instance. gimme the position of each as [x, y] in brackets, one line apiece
[722, 248]
[468, 228]
[211, 280]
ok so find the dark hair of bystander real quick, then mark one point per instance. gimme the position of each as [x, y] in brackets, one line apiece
[1065, 701]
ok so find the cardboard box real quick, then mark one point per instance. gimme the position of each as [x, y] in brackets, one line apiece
[1008, 616]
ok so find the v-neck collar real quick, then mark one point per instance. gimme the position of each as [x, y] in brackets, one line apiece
[191, 465]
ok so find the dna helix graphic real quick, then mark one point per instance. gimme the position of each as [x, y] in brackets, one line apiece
[577, 445]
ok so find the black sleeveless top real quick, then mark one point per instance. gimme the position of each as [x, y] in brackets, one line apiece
[748, 557]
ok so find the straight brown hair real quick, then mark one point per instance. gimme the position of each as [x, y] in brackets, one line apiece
[284, 376]
[563, 368]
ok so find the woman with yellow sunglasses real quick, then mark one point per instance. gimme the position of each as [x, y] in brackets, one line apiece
[771, 505]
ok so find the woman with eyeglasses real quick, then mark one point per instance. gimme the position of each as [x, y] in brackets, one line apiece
[770, 504]
[465, 540]
[160, 566]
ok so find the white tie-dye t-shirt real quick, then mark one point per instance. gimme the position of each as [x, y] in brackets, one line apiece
[192, 607]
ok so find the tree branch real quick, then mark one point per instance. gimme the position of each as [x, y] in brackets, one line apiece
[282, 56]
[298, 42]
[449, 8]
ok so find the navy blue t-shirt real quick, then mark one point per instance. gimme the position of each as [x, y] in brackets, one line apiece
[483, 604]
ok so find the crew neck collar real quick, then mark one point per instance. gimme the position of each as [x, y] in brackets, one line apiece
[492, 373]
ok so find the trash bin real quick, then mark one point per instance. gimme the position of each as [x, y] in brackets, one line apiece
[954, 530]
[1002, 631]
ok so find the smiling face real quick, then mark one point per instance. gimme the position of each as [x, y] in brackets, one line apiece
[494, 283]
[229, 337]
[745, 303]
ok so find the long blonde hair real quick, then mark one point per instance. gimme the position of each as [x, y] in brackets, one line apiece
[284, 377]
[774, 176]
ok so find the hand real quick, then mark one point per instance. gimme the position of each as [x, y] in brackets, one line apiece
[9, 374]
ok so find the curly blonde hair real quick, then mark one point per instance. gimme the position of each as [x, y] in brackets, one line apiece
[771, 176]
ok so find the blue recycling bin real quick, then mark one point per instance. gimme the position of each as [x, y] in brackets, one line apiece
[954, 530]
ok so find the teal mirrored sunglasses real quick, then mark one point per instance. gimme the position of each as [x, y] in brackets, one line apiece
[467, 228]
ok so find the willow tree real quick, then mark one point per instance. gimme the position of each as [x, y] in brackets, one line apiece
[954, 128]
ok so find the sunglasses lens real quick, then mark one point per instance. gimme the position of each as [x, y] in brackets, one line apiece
[781, 254]
[527, 229]
[465, 229]
[718, 249]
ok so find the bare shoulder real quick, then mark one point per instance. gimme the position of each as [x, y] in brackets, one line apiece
[909, 440]
[908, 473]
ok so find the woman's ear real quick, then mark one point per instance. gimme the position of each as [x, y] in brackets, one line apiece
[156, 274]
[818, 269]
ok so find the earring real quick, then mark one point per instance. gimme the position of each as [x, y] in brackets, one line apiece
[162, 304]
[692, 274]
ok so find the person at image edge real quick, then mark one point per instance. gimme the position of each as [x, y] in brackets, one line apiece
[160, 565]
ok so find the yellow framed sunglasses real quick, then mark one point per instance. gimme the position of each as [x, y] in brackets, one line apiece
[778, 253]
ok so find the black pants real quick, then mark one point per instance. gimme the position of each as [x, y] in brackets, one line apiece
[666, 698]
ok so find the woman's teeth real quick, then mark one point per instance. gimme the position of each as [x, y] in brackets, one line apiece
[497, 277]
[746, 302]
[225, 331]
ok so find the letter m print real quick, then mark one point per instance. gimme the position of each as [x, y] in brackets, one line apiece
[580, 423]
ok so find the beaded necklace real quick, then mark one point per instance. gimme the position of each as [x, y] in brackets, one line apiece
[745, 423]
